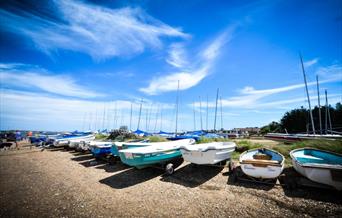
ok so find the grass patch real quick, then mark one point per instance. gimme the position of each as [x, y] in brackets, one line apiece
[100, 136]
[244, 145]
[208, 140]
[157, 139]
[327, 145]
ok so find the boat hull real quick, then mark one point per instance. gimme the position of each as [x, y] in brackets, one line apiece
[73, 140]
[206, 157]
[145, 160]
[262, 169]
[317, 171]
[100, 151]
[268, 172]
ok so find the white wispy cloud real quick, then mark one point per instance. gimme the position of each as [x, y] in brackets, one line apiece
[48, 112]
[249, 97]
[310, 62]
[95, 30]
[332, 72]
[177, 56]
[188, 73]
[29, 76]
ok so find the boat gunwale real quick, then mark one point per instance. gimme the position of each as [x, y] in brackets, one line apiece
[279, 164]
[141, 153]
[209, 149]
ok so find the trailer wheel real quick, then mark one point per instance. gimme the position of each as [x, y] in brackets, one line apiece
[169, 169]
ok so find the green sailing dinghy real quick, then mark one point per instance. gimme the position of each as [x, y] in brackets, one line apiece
[164, 155]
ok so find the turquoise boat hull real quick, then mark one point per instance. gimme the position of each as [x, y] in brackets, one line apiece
[114, 150]
[145, 160]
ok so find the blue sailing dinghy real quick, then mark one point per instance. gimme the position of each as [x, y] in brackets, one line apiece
[100, 149]
[319, 166]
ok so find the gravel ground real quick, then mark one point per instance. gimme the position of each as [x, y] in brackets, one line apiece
[60, 183]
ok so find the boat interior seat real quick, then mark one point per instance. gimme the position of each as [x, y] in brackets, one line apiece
[261, 156]
[261, 162]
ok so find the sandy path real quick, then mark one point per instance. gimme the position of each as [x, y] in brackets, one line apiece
[70, 184]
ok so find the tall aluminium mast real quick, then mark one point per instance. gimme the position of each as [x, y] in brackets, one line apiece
[319, 107]
[177, 108]
[139, 114]
[307, 93]
[206, 120]
[216, 109]
[201, 112]
[130, 118]
[221, 112]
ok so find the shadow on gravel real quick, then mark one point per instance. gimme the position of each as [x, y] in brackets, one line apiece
[80, 153]
[192, 175]
[113, 168]
[83, 157]
[131, 177]
[55, 149]
[297, 186]
[238, 178]
[92, 163]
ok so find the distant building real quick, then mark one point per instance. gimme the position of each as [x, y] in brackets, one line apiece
[123, 128]
[246, 131]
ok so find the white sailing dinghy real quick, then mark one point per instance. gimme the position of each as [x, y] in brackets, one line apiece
[208, 153]
[74, 143]
[262, 163]
[319, 166]
[74, 139]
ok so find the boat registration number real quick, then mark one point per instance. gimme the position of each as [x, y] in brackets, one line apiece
[196, 154]
[129, 155]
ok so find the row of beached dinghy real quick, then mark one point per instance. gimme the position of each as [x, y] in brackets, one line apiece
[317, 165]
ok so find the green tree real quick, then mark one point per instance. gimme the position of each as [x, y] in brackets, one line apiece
[272, 127]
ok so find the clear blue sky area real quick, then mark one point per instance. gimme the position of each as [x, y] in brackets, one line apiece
[67, 65]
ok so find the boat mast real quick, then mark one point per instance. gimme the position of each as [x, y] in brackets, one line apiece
[216, 109]
[177, 99]
[319, 107]
[90, 119]
[115, 116]
[194, 116]
[327, 113]
[146, 119]
[161, 118]
[140, 113]
[95, 120]
[221, 113]
[307, 93]
[156, 121]
[83, 122]
[104, 115]
[130, 118]
[207, 114]
[149, 116]
[201, 112]
[122, 118]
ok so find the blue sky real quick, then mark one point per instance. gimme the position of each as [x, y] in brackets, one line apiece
[67, 65]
